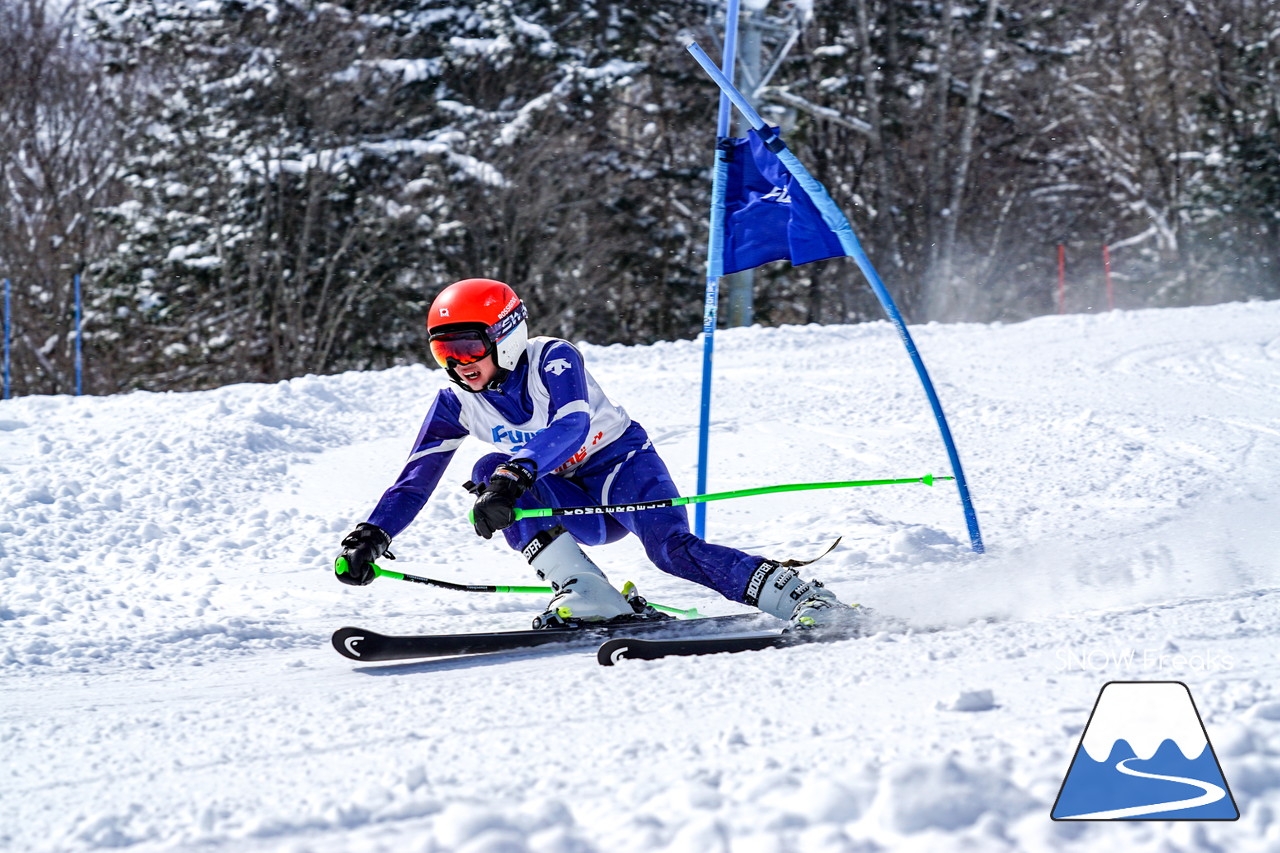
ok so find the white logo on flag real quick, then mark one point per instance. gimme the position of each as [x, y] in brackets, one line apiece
[778, 194]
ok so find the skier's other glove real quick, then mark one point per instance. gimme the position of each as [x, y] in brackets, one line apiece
[495, 508]
[360, 549]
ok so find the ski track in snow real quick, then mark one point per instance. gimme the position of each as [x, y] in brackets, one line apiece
[166, 599]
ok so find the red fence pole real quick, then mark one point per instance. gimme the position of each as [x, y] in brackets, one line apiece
[1062, 279]
[1106, 264]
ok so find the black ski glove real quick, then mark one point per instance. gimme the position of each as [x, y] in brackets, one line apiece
[362, 546]
[495, 508]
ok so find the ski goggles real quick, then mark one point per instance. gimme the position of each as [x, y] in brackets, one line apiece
[467, 346]
[453, 349]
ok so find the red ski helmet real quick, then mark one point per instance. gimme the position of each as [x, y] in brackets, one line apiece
[475, 317]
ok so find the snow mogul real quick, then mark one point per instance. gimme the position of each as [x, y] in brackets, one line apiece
[561, 443]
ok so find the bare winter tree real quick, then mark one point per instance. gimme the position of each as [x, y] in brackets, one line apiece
[944, 286]
[59, 148]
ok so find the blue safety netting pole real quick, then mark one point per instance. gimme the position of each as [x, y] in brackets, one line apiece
[79, 363]
[6, 339]
[839, 225]
[715, 263]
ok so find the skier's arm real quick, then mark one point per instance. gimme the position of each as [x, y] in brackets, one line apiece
[563, 373]
[442, 431]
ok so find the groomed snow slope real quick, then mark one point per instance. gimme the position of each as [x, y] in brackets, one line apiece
[166, 598]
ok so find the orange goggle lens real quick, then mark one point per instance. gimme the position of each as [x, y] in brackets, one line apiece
[459, 348]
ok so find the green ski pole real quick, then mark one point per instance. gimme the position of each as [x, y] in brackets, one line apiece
[341, 567]
[545, 512]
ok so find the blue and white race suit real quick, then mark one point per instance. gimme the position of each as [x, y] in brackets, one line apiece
[585, 449]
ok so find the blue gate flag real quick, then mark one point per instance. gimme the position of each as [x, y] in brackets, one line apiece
[839, 225]
[767, 216]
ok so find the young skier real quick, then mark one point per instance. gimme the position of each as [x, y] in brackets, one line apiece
[561, 442]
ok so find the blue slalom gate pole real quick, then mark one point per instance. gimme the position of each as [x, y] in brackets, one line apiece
[79, 362]
[839, 225]
[6, 338]
[715, 265]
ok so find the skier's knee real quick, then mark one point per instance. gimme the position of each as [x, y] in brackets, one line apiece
[485, 465]
[671, 554]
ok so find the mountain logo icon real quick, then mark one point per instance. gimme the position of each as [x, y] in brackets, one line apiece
[1145, 755]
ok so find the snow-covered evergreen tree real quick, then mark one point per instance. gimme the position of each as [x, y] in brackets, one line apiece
[282, 185]
[307, 175]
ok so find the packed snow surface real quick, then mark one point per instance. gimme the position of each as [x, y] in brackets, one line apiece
[167, 596]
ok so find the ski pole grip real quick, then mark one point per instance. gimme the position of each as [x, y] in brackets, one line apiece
[341, 567]
[533, 512]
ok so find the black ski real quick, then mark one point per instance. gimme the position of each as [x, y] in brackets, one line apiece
[638, 648]
[617, 649]
[361, 644]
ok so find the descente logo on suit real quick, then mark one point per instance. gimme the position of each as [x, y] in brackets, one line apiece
[557, 366]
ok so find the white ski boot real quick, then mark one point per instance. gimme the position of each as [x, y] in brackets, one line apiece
[777, 589]
[582, 592]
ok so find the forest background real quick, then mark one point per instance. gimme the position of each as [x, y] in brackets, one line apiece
[257, 189]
